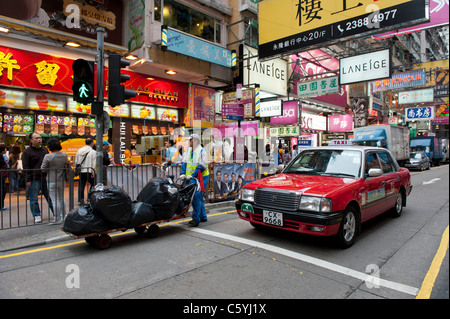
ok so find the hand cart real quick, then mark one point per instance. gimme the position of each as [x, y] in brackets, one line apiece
[151, 229]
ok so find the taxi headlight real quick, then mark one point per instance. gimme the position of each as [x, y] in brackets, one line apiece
[248, 195]
[315, 204]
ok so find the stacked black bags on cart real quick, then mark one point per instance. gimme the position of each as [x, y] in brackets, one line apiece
[111, 208]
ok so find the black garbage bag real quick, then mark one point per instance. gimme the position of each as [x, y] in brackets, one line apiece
[187, 192]
[113, 204]
[83, 221]
[163, 195]
[141, 213]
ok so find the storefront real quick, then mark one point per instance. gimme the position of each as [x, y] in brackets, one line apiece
[36, 96]
[313, 126]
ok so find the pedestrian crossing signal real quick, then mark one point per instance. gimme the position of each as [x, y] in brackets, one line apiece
[83, 81]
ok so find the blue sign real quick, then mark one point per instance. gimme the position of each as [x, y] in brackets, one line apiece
[194, 47]
[304, 142]
[420, 113]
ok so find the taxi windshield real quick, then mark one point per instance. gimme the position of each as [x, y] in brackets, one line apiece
[340, 163]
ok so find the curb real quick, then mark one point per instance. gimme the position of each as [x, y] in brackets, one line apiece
[66, 237]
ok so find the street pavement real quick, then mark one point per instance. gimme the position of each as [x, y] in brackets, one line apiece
[45, 234]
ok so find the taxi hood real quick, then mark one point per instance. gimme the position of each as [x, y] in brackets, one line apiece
[307, 184]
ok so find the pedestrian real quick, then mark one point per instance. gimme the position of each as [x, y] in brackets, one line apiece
[36, 180]
[286, 157]
[3, 174]
[106, 160]
[55, 165]
[164, 151]
[13, 163]
[86, 156]
[195, 165]
[171, 152]
[294, 151]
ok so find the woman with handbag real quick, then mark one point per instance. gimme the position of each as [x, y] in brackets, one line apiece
[56, 165]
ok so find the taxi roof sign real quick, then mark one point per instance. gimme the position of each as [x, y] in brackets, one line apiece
[340, 142]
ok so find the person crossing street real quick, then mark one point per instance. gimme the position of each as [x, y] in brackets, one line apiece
[195, 165]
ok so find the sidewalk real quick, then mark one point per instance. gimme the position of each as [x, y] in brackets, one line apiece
[44, 234]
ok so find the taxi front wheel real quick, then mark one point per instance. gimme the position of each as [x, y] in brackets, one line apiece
[348, 228]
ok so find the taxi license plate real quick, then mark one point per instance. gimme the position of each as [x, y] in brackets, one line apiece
[272, 218]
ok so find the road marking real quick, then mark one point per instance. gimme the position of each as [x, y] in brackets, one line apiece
[431, 181]
[314, 261]
[430, 278]
[26, 252]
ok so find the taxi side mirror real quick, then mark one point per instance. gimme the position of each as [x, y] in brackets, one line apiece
[374, 172]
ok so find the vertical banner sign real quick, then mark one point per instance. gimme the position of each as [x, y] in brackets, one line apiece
[287, 26]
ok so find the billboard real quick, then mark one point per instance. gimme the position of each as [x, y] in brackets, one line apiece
[365, 67]
[416, 96]
[296, 25]
[438, 16]
[400, 81]
[272, 76]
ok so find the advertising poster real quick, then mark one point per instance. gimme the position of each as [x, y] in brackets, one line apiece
[201, 106]
[230, 178]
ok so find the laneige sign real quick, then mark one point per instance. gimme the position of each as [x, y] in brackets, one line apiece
[365, 67]
[271, 75]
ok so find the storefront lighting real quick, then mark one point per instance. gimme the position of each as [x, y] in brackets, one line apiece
[72, 44]
[131, 57]
[4, 29]
[171, 72]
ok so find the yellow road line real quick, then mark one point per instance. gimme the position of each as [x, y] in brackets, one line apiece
[430, 278]
[112, 235]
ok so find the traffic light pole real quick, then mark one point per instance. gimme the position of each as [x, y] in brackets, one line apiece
[99, 125]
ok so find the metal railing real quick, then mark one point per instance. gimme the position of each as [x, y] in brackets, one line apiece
[22, 203]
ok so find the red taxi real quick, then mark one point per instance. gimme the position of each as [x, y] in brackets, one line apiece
[328, 191]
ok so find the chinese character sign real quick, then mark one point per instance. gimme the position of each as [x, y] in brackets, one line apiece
[340, 123]
[8, 64]
[318, 87]
[425, 113]
[33, 70]
[194, 47]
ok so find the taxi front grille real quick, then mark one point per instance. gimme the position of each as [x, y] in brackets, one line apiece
[277, 200]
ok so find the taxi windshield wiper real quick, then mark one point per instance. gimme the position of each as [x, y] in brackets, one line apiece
[338, 174]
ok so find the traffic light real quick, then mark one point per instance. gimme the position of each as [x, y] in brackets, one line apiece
[117, 94]
[83, 86]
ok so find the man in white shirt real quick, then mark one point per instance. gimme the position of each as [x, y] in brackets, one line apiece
[86, 156]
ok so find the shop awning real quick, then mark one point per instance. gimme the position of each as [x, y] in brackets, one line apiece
[23, 26]
[188, 70]
[320, 106]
